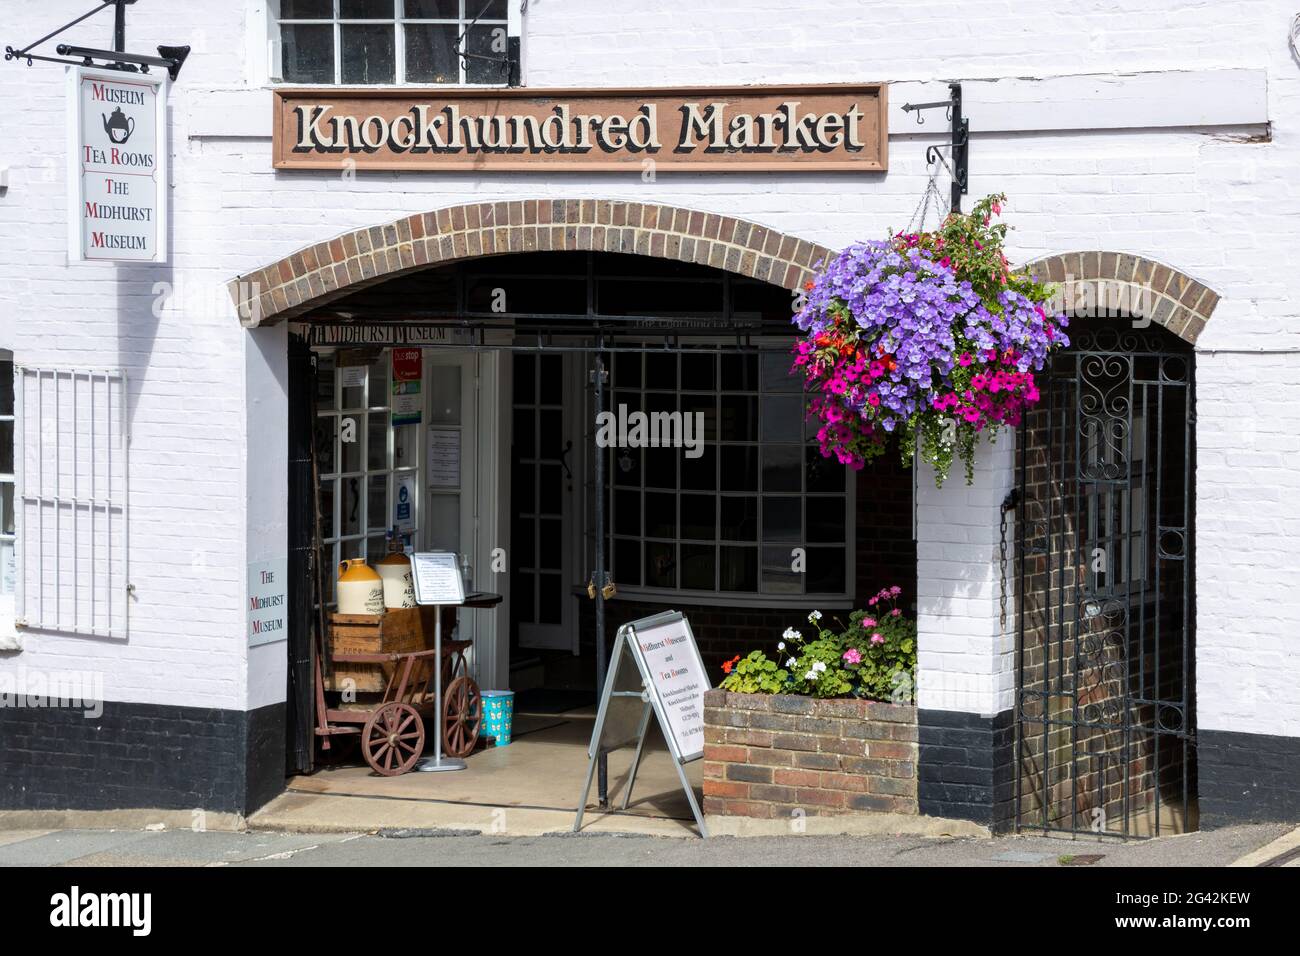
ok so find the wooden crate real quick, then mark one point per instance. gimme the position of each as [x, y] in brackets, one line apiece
[396, 631]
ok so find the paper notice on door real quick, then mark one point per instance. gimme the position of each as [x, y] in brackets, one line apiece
[444, 458]
[408, 402]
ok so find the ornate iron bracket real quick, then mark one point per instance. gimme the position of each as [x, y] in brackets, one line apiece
[510, 62]
[170, 57]
[960, 143]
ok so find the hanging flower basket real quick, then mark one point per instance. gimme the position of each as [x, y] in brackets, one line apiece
[926, 338]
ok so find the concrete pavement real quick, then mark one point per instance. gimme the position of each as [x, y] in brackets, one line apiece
[447, 848]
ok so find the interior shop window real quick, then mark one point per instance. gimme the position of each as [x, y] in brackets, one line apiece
[8, 552]
[360, 455]
[366, 42]
[735, 518]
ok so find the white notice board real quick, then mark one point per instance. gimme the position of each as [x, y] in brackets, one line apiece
[671, 663]
[436, 578]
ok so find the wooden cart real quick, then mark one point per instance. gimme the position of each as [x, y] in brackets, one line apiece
[385, 664]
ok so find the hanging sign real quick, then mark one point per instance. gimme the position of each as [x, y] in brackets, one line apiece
[117, 166]
[732, 129]
[407, 400]
[655, 669]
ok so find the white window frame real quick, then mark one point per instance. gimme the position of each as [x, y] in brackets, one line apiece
[399, 23]
[357, 544]
[758, 598]
[9, 637]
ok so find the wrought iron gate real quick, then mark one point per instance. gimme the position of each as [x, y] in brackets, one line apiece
[1105, 726]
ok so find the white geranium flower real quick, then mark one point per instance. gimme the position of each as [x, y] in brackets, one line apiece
[819, 666]
[814, 617]
[791, 662]
[780, 645]
[811, 675]
[791, 634]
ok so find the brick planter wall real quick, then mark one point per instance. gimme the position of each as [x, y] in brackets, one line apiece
[770, 755]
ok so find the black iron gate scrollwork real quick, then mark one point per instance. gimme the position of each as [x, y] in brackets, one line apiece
[1105, 728]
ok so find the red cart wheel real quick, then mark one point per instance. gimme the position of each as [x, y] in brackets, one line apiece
[393, 739]
[454, 665]
[462, 715]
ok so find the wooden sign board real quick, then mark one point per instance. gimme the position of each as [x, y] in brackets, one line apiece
[655, 670]
[826, 128]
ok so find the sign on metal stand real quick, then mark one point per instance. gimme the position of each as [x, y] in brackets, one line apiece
[436, 580]
[655, 669]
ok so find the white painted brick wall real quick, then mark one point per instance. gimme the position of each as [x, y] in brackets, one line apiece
[966, 656]
[1204, 199]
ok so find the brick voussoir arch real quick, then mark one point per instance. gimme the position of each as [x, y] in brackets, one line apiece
[328, 270]
[1133, 285]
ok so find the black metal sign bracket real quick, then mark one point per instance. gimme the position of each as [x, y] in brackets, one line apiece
[960, 143]
[172, 58]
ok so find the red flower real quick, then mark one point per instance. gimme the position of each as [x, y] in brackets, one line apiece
[728, 665]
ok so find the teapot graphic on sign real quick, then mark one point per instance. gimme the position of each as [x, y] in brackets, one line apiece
[119, 126]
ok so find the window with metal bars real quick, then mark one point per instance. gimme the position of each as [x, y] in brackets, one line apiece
[391, 42]
[70, 501]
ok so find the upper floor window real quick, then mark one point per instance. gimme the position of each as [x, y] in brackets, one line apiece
[384, 42]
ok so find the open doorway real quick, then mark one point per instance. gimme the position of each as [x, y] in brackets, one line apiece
[746, 530]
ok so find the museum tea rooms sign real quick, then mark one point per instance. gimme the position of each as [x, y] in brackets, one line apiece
[117, 173]
[813, 128]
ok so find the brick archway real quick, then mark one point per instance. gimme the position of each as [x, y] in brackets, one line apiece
[1131, 285]
[328, 270]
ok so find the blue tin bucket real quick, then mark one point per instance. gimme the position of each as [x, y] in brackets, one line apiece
[498, 715]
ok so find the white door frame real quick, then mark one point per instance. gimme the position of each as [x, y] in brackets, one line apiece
[571, 498]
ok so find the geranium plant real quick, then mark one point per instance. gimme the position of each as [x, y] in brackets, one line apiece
[928, 337]
[872, 656]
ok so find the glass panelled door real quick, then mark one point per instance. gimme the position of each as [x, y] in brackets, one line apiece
[363, 460]
[445, 478]
[542, 483]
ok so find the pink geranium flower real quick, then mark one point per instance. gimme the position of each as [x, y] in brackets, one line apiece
[853, 656]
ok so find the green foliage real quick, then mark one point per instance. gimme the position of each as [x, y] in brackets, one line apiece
[755, 674]
[873, 656]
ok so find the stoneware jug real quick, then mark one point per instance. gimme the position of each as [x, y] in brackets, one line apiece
[360, 590]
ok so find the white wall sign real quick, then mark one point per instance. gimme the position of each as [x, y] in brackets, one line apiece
[117, 166]
[268, 603]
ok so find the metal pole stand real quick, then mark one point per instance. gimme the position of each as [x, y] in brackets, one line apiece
[437, 761]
